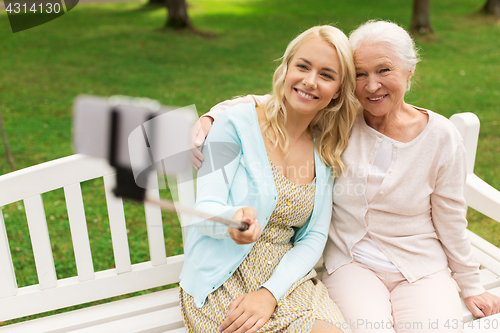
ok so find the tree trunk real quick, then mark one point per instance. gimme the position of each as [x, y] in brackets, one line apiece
[156, 2]
[421, 22]
[177, 17]
[491, 7]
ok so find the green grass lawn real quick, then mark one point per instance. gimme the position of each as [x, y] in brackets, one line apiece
[107, 49]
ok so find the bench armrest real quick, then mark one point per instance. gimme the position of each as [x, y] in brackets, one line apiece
[482, 197]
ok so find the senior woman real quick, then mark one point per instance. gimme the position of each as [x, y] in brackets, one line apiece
[399, 212]
[398, 224]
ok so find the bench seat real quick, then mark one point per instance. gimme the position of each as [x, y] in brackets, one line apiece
[154, 312]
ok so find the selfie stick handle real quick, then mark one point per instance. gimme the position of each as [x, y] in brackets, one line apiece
[241, 226]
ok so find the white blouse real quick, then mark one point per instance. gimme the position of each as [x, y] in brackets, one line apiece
[366, 251]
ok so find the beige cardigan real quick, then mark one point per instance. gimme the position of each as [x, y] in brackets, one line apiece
[418, 217]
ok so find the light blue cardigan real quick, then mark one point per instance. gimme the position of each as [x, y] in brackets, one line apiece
[211, 256]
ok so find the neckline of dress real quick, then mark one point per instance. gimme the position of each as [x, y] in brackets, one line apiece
[288, 180]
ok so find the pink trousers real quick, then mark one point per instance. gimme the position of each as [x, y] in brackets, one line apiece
[377, 301]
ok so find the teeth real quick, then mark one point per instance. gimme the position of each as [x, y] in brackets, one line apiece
[305, 95]
[376, 99]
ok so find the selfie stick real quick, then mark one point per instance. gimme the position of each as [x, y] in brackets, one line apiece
[127, 187]
[241, 226]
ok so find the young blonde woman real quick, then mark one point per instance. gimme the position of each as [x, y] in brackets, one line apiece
[284, 157]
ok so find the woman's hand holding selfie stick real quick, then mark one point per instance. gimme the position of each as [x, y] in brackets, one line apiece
[241, 226]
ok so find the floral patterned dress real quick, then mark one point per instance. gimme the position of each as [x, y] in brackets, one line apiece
[304, 303]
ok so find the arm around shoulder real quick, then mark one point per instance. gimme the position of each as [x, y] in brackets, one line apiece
[218, 109]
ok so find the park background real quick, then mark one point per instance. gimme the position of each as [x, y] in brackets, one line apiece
[122, 48]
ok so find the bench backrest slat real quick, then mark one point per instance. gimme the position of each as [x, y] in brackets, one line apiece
[185, 190]
[155, 229]
[40, 242]
[117, 226]
[8, 284]
[468, 125]
[79, 232]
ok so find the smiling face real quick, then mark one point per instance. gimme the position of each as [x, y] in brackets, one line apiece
[313, 77]
[381, 79]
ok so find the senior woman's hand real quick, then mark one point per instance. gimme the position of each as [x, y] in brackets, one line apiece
[483, 305]
[198, 134]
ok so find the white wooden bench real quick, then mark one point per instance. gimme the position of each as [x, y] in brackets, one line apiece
[157, 311]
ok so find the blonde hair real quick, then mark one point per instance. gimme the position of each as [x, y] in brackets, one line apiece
[331, 126]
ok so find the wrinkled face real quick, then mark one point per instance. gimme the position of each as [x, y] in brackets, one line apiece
[381, 78]
[313, 77]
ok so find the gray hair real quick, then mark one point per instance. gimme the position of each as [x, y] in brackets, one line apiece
[390, 33]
